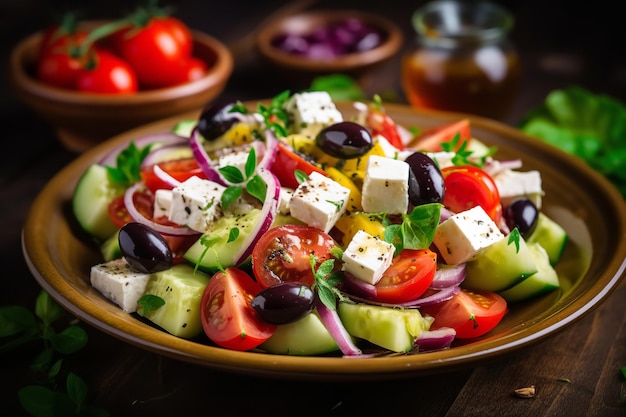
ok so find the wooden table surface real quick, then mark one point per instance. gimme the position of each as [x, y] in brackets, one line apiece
[576, 372]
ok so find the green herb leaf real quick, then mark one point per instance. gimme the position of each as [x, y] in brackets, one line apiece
[275, 116]
[231, 174]
[230, 195]
[257, 188]
[16, 319]
[207, 241]
[514, 237]
[128, 165]
[76, 389]
[340, 87]
[250, 163]
[233, 234]
[417, 229]
[301, 176]
[148, 303]
[47, 309]
[326, 281]
[70, 340]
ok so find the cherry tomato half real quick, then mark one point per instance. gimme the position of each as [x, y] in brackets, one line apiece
[155, 50]
[227, 316]
[180, 169]
[431, 139]
[408, 277]
[469, 186]
[382, 124]
[471, 314]
[287, 162]
[107, 74]
[282, 254]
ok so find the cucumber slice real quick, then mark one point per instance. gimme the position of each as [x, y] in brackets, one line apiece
[181, 288]
[222, 252]
[305, 337]
[90, 202]
[110, 249]
[184, 127]
[551, 236]
[389, 328]
[500, 266]
[545, 280]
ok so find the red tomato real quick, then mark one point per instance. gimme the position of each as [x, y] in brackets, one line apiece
[408, 277]
[58, 39]
[155, 50]
[469, 186]
[180, 169]
[471, 314]
[283, 254]
[59, 69]
[287, 162]
[108, 74]
[431, 139]
[228, 318]
[192, 69]
[382, 124]
[144, 203]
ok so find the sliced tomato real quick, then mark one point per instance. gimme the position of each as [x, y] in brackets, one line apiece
[470, 313]
[469, 186]
[431, 139]
[227, 316]
[283, 253]
[180, 169]
[287, 162]
[408, 277]
[144, 202]
[382, 124]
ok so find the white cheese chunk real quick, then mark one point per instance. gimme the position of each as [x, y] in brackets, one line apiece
[367, 257]
[162, 203]
[284, 200]
[235, 158]
[391, 151]
[119, 282]
[463, 235]
[442, 159]
[385, 186]
[319, 201]
[515, 184]
[196, 203]
[311, 111]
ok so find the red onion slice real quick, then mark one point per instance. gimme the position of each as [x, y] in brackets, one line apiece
[165, 177]
[271, 147]
[167, 152]
[203, 158]
[431, 297]
[448, 275]
[332, 322]
[140, 218]
[432, 340]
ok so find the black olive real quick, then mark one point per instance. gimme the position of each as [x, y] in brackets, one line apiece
[426, 184]
[523, 214]
[284, 303]
[144, 248]
[216, 119]
[344, 140]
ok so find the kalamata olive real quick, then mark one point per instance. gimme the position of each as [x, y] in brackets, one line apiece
[284, 303]
[523, 214]
[144, 248]
[216, 119]
[344, 140]
[426, 183]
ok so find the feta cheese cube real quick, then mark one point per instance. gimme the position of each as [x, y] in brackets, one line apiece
[367, 257]
[391, 151]
[514, 184]
[319, 201]
[119, 283]
[385, 186]
[284, 198]
[311, 111]
[162, 203]
[442, 159]
[463, 235]
[236, 158]
[196, 203]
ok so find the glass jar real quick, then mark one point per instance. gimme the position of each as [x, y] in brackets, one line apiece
[463, 60]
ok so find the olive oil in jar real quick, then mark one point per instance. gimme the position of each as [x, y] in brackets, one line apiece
[463, 61]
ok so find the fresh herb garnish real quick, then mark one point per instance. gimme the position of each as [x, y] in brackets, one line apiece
[207, 241]
[326, 282]
[275, 116]
[148, 303]
[301, 176]
[128, 165]
[417, 229]
[514, 237]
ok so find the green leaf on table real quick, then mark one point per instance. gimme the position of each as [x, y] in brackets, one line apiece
[587, 125]
[339, 86]
[70, 340]
[15, 320]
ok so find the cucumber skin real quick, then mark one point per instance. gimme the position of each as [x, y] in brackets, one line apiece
[93, 193]
[542, 282]
[181, 288]
[304, 337]
[392, 329]
[499, 266]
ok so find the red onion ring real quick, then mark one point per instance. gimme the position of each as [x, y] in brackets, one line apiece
[165, 177]
[434, 297]
[160, 139]
[203, 158]
[140, 218]
[167, 152]
[332, 322]
[448, 276]
[432, 340]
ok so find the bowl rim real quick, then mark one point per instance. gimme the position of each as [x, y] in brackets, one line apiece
[347, 62]
[219, 72]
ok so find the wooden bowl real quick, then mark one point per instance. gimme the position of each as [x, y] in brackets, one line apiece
[82, 120]
[354, 64]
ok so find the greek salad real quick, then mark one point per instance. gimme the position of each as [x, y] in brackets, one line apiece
[290, 228]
